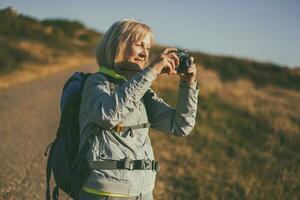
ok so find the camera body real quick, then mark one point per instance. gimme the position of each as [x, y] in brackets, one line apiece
[184, 61]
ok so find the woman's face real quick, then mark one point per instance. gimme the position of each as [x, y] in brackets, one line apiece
[138, 51]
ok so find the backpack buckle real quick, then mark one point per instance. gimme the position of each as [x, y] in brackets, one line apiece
[128, 164]
[147, 164]
[155, 166]
[119, 128]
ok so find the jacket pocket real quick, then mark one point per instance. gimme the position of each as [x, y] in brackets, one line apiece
[109, 148]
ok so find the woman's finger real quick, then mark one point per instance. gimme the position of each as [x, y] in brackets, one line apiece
[173, 65]
[168, 65]
[191, 69]
[174, 57]
[168, 50]
[192, 59]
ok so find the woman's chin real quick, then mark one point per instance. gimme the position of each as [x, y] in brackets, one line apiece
[138, 65]
[141, 66]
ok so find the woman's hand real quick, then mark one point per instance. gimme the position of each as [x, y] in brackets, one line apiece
[190, 76]
[165, 62]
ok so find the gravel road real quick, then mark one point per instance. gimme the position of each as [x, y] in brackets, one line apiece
[29, 116]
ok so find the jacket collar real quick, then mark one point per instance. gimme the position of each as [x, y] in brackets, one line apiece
[111, 73]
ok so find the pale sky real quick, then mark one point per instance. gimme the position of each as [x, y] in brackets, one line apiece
[263, 30]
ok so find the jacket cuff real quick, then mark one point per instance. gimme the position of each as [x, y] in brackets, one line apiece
[195, 85]
[149, 74]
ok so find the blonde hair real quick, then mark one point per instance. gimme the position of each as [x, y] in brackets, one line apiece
[113, 45]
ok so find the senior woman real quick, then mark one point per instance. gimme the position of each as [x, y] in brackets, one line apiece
[119, 102]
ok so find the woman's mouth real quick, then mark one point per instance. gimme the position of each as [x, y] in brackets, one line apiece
[139, 60]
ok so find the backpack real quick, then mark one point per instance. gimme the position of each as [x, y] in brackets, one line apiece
[69, 166]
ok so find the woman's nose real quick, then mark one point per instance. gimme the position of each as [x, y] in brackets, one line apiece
[143, 54]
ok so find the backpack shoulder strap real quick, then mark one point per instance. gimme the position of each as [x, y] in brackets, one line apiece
[147, 103]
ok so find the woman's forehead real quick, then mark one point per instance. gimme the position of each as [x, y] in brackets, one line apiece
[146, 38]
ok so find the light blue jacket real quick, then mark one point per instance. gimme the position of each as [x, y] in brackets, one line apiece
[107, 105]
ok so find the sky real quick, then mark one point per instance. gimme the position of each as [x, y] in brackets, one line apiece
[263, 30]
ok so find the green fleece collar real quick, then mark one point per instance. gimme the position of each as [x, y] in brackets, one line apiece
[111, 73]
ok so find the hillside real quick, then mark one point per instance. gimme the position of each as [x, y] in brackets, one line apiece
[261, 74]
[24, 39]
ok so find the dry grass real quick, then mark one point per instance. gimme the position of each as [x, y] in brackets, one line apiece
[30, 72]
[37, 49]
[245, 144]
[279, 106]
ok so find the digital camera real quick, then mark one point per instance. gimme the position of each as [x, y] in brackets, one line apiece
[184, 61]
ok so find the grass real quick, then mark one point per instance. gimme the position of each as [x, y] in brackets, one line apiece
[233, 152]
[58, 38]
[261, 74]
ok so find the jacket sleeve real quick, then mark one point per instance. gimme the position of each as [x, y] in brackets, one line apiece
[107, 109]
[179, 121]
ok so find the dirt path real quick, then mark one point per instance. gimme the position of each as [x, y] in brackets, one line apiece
[28, 120]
